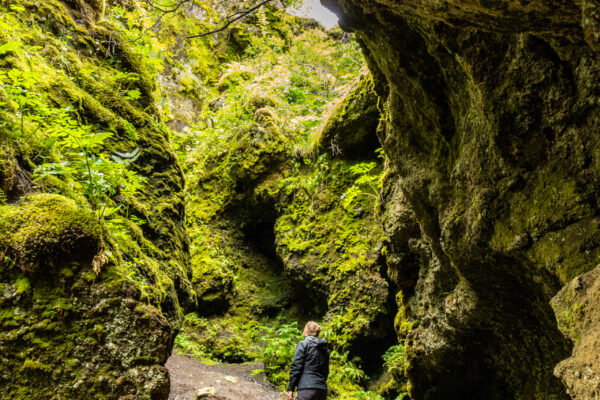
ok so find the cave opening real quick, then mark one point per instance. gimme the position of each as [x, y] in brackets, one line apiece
[302, 302]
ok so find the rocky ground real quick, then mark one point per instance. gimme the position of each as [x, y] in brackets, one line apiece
[231, 381]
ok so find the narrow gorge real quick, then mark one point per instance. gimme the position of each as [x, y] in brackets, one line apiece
[202, 177]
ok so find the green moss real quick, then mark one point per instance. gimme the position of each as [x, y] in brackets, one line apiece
[33, 365]
[545, 213]
[47, 228]
[402, 324]
[22, 285]
[571, 251]
[350, 128]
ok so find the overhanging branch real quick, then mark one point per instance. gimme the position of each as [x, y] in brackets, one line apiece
[164, 9]
[231, 19]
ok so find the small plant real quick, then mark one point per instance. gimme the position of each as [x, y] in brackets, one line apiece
[98, 176]
[75, 148]
[81, 161]
[133, 94]
[188, 346]
[367, 396]
[30, 105]
[279, 351]
[368, 182]
[394, 358]
[345, 369]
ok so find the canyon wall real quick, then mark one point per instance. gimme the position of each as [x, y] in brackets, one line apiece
[89, 303]
[491, 130]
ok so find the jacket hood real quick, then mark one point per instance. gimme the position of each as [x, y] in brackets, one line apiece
[321, 343]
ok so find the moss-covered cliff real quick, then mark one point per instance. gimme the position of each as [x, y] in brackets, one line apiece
[435, 263]
[97, 270]
[284, 225]
[490, 200]
[94, 253]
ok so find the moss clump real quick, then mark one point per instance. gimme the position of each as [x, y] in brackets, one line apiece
[33, 365]
[46, 229]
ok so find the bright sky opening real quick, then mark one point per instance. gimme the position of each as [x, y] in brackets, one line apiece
[314, 9]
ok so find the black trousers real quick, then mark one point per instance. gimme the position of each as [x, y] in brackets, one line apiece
[312, 394]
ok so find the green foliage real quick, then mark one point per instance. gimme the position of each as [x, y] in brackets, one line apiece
[394, 359]
[135, 26]
[279, 351]
[368, 182]
[133, 94]
[80, 161]
[21, 97]
[230, 339]
[9, 47]
[75, 145]
[367, 396]
[185, 344]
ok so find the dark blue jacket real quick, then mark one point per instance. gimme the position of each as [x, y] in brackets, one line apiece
[310, 367]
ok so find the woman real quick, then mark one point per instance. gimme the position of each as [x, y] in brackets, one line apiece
[310, 367]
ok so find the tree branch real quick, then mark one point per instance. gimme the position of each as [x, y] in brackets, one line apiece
[164, 9]
[231, 19]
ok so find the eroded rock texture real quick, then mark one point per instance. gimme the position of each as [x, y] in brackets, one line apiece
[577, 309]
[492, 138]
[87, 309]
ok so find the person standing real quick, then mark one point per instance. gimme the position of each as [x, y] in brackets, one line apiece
[310, 367]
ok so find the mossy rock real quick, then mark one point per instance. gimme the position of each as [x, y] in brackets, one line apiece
[350, 129]
[47, 230]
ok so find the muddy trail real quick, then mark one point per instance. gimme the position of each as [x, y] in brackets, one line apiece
[230, 381]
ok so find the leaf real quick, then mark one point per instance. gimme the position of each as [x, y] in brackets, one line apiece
[132, 154]
[95, 139]
[9, 47]
[134, 94]
[17, 8]
[15, 75]
[111, 210]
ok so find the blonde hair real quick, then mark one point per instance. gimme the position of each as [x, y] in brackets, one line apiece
[312, 328]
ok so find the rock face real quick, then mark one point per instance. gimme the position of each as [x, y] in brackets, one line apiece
[577, 309]
[87, 305]
[490, 200]
[349, 129]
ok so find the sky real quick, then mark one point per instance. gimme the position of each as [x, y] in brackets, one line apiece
[314, 9]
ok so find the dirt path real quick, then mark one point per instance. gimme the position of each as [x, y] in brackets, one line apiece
[188, 375]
